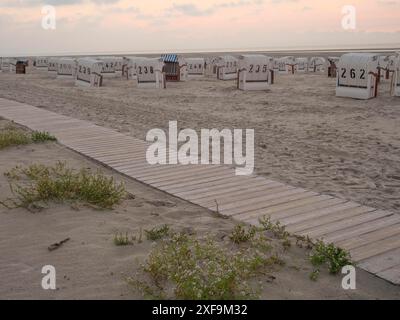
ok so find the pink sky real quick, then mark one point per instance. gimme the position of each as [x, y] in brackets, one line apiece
[85, 26]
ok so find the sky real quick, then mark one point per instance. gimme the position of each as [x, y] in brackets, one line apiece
[140, 26]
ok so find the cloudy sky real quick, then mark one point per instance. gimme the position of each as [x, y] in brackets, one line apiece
[102, 26]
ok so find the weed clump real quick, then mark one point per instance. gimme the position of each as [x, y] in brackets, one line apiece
[278, 230]
[334, 257]
[202, 269]
[36, 185]
[14, 136]
[240, 234]
[157, 233]
[123, 239]
[39, 136]
[321, 254]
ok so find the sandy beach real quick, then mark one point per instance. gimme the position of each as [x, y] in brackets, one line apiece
[305, 136]
[90, 266]
[200, 157]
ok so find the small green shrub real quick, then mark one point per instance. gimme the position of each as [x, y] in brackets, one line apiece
[314, 275]
[242, 234]
[157, 233]
[335, 258]
[278, 230]
[123, 239]
[202, 269]
[38, 137]
[286, 243]
[304, 242]
[38, 184]
[13, 137]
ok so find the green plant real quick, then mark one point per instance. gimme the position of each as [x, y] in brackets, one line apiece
[201, 269]
[148, 291]
[157, 233]
[314, 275]
[286, 243]
[123, 239]
[13, 137]
[278, 230]
[38, 136]
[37, 184]
[334, 257]
[304, 241]
[242, 234]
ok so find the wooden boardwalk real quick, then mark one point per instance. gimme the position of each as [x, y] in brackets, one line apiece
[372, 236]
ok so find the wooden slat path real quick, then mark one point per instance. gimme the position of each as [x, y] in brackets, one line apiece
[372, 236]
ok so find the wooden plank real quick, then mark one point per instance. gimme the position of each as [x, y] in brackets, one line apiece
[307, 204]
[86, 135]
[122, 159]
[315, 214]
[381, 262]
[322, 220]
[375, 248]
[370, 237]
[140, 167]
[207, 189]
[351, 232]
[324, 203]
[92, 133]
[112, 155]
[392, 275]
[230, 201]
[169, 188]
[171, 177]
[261, 197]
[199, 187]
[87, 138]
[235, 191]
[101, 146]
[179, 172]
[206, 176]
[290, 195]
[322, 230]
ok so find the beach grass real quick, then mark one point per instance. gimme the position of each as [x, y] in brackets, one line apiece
[157, 233]
[191, 267]
[121, 239]
[242, 233]
[42, 136]
[36, 185]
[12, 136]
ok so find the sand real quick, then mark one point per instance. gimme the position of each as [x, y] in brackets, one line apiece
[305, 135]
[90, 266]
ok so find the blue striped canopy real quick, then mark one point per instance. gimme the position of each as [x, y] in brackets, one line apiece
[169, 57]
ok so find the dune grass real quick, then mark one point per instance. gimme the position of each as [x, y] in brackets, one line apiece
[13, 136]
[42, 136]
[242, 234]
[157, 233]
[37, 185]
[333, 257]
[121, 239]
[190, 267]
[182, 266]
